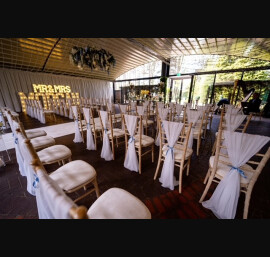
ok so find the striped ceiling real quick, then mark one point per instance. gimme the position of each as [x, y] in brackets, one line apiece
[51, 55]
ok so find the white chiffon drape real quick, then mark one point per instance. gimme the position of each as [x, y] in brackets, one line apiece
[123, 110]
[106, 151]
[179, 109]
[28, 168]
[192, 116]
[140, 110]
[90, 143]
[19, 155]
[163, 113]
[131, 160]
[241, 147]
[78, 137]
[172, 131]
[52, 202]
[233, 121]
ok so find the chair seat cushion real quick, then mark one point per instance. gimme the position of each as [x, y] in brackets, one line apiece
[178, 152]
[223, 169]
[148, 122]
[73, 174]
[54, 153]
[146, 140]
[116, 133]
[42, 142]
[117, 203]
[118, 115]
[35, 133]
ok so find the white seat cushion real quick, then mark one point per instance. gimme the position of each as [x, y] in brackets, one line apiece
[54, 153]
[73, 174]
[116, 133]
[149, 122]
[118, 115]
[42, 142]
[178, 152]
[35, 133]
[223, 169]
[146, 140]
[117, 203]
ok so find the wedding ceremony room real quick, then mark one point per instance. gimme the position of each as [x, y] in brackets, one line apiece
[135, 128]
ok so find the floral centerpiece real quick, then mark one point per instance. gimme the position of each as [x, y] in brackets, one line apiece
[144, 93]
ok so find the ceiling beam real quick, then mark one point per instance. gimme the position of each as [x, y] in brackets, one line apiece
[50, 54]
[147, 49]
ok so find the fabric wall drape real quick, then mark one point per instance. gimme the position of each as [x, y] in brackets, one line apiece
[14, 81]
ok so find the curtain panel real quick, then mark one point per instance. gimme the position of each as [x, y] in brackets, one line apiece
[14, 81]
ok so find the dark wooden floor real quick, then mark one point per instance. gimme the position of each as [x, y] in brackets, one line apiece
[17, 203]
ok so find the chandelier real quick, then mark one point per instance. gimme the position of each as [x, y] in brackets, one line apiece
[92, 57]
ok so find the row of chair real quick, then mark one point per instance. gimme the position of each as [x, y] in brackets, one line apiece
[69, 178]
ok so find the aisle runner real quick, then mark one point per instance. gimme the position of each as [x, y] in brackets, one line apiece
[53, 131]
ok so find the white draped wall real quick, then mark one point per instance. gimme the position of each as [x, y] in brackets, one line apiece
[14, 81]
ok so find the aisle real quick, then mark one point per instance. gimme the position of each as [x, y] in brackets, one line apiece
[54, 131]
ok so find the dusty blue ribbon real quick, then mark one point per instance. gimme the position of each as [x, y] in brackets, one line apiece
[131, 139]
[36, 181]
[16, 141]
[88, 125]
[106, 130]
[239, 170]
[170, 148]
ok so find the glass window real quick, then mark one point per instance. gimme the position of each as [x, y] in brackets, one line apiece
[202, 89]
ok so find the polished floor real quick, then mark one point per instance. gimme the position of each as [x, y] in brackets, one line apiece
[163, 203]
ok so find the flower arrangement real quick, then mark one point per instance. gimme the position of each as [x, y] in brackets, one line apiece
[91, 57]
[144, 92]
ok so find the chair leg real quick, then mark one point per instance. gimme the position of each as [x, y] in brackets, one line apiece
[96, 187]
[113, 147]
[140, 161]
[198, 144]
[180, 179]
[153, 151]
[206, 189]
[214, 147]
[159, 161]
[188, 165]
[207, 176]
[246, 205]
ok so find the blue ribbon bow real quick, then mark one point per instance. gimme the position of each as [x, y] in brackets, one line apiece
[170, 148]
[131, 139]
[36, 181]
[239, 170]
[16, 141]
[106, 130]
